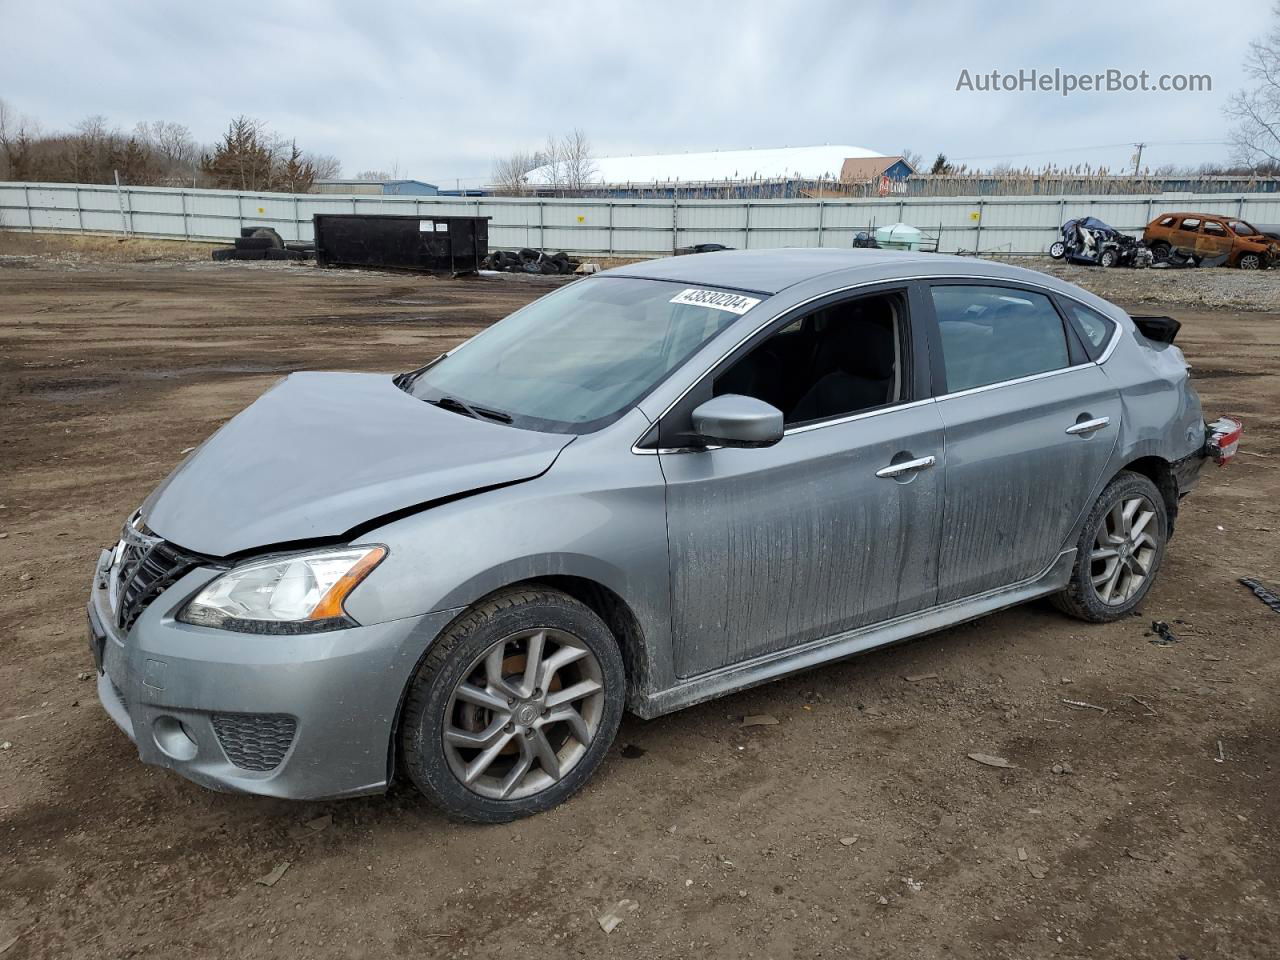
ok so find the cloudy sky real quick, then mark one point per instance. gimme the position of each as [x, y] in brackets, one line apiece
[441, 89]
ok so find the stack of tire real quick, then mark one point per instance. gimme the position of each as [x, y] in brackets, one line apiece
[531, 261]
[264, 243]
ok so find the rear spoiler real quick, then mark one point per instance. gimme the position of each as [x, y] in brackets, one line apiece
[1159, 329]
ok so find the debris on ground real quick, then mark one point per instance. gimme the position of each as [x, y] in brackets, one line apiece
[532, 261]
[1163, 634]
[915, 886]
[760, 720]
[1061, 769]
[917, 677]
[990, 761]
[272, 878]
[1138, 855]
[1270, 598]
[264, 243]
[1083, 705]
[849, 841]
[1151, 712]
[1037, 870]
[610, 919]
[1022, 854]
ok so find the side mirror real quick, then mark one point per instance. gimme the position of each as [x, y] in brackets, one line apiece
[733, 420]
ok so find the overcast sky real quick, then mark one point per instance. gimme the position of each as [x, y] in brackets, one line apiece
[443, 89]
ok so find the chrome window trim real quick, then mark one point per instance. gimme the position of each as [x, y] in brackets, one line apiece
[883, 281]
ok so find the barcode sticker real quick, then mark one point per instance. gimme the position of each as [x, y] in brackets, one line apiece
[716, 300]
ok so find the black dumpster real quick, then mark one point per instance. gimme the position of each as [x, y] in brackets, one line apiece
[424, 243]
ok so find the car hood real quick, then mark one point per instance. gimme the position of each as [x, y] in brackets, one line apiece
[322, 453]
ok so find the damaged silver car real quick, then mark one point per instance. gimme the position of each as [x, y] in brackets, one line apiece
[657, 485]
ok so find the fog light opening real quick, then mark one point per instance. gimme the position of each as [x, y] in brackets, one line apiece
[173, 738]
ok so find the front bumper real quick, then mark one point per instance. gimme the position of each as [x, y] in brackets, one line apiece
[301, 717]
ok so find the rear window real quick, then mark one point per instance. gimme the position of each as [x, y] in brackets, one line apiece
[1094, 329]
[992, 334]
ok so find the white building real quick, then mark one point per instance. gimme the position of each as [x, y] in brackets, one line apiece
[779, 163]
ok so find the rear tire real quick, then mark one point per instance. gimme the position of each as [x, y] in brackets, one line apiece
[1119, 552]
[1160, 252]
[475, 684]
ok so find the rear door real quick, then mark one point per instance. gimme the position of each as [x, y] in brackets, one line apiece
[1185, 237]
[1030, 424]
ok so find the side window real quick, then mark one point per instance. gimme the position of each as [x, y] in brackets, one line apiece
[1190, 224]
[1094, 329]
[1214, 229]
[991, 334]
[1167, 222]
[842, 359]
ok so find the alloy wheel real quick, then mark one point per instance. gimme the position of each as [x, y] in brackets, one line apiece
[1124, 549]
[524, 714]
[1250, 261]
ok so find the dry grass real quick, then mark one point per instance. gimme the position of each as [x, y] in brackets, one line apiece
[100, 249]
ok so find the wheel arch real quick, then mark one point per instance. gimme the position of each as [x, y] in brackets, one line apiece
[1160, 472]
[600, 599]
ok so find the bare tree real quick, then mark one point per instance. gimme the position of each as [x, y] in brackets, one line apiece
[326, 165]
[16, 135]
[511, 173]
[1255, 138]
[575, 156]
[913, 159]
[373, 175]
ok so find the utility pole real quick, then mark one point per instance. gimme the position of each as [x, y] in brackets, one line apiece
[1137, 159]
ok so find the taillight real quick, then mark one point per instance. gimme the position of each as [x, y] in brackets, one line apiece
[1224, 439]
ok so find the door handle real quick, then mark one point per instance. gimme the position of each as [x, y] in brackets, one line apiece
[906, 466]
[1087, 427]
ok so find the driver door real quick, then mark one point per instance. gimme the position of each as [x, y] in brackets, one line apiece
[778, 547]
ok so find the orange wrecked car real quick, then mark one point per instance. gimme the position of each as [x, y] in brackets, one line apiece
[1212, 238]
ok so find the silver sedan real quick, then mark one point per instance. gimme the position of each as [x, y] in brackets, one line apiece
[654, 486]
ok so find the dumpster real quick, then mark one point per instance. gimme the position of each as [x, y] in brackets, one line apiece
[394, 242]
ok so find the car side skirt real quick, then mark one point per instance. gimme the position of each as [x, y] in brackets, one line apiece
[740, 676]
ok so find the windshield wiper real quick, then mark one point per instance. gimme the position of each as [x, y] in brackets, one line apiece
[478, 413]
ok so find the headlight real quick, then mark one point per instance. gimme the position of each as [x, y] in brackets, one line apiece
[303, 593]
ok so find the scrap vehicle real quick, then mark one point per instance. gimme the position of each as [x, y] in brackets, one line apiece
[1090, 241]
[1210, 240]
[657, 485]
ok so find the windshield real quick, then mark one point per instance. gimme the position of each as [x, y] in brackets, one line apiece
[577, 359]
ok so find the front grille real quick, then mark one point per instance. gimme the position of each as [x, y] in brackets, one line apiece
[255, 741]
[142, 568]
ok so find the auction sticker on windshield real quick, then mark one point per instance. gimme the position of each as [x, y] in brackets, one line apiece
[716, 300]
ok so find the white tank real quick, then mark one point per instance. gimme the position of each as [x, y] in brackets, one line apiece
[898, 236]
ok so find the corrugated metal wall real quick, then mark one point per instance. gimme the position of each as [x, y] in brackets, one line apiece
[597, 226]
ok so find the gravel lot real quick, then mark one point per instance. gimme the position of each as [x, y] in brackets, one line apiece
[855, 827]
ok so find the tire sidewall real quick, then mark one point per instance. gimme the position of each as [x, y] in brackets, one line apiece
[1125, 485]
[422, 734]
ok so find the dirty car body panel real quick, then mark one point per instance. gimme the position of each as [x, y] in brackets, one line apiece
[715, 567]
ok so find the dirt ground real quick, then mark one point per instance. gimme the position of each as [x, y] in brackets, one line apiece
[855, 827]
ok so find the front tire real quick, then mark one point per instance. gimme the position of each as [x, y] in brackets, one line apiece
[1250, 261]
[1057, 249]
[514, 706]
[1119, 552]
[1109, 258]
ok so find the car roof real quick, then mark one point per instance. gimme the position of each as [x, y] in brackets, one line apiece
[771, 271]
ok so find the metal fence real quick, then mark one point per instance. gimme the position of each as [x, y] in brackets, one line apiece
[603, 227]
